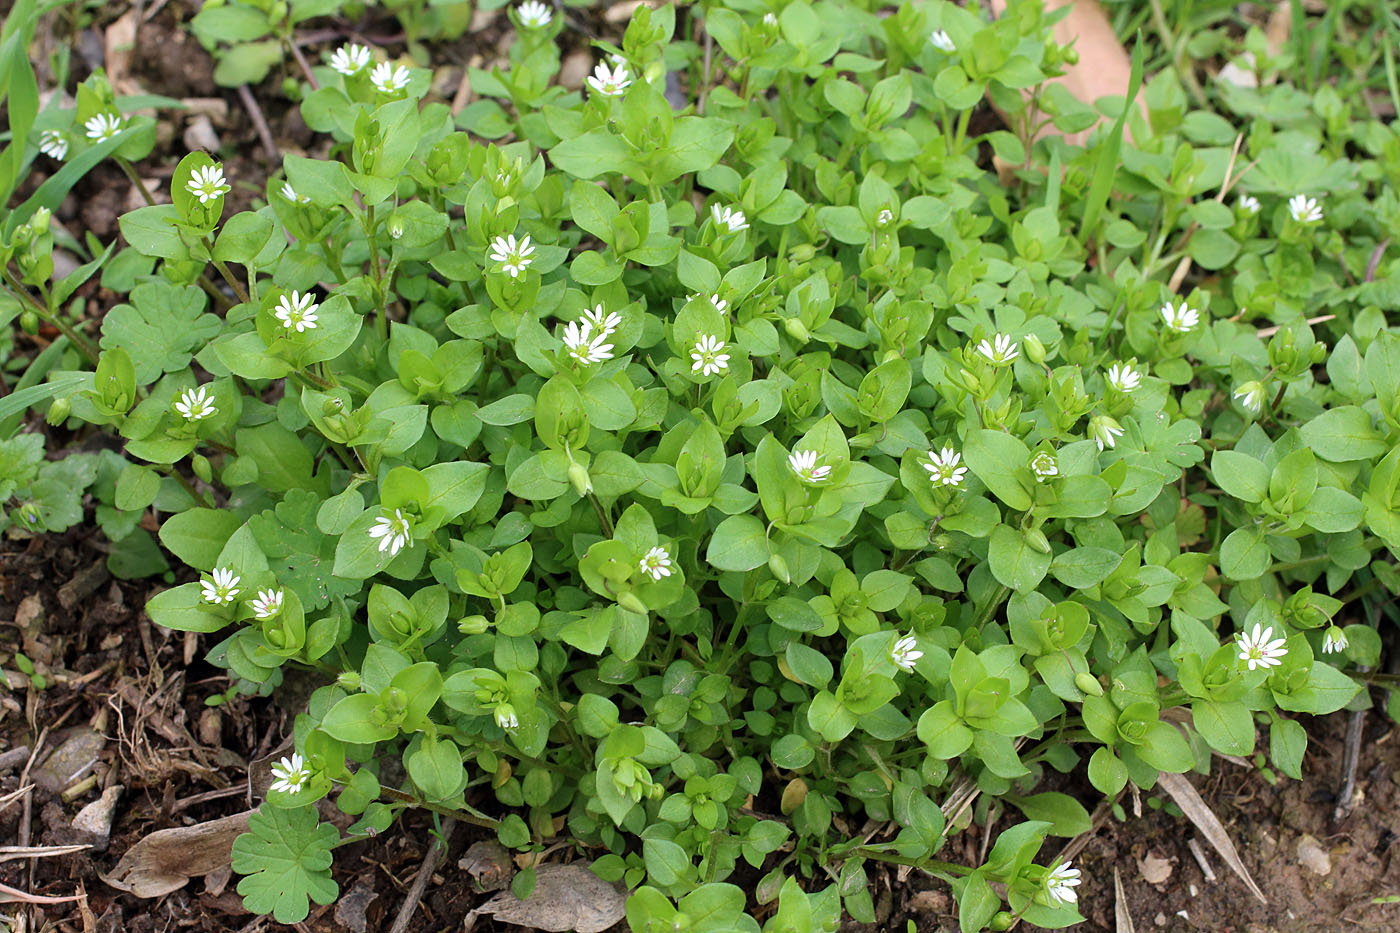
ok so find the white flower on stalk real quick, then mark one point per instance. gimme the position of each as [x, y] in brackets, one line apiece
[1181, 318]
[207, 183]
[534, 15]
[291, 774]
[884, 217]
[103, 126]
[222, 588]
[266, 604]
[1256, 650]
[1105, 431]
[513, 256]
[804, 464]
[707, 356]
[389, 78]
[1124, 378]
[1251, 396]
[350, 59]
[584, 346]
[905, 652]
[395, 228]
[290, 194]
[1044, 466]
[604, 322]
[393, 532]
[769, 19]
[716, 302]
[195, 404]
[730, 218]
[1335, 641]
[1060, 883]
[1304, 209]
[943, 469]
[940, 40]
[656, 563]
[1248, 204]
[1000, 350]
[610, 82]
[54, 144]
[296, 311]
[506, 718]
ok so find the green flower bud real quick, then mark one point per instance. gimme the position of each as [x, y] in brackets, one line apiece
[349, 680]
[473, 625]
[632, 603]
[1036, 539]
[29, 322]
[1035, 350]
[578, 477]
[1088, 683]
[796, 329]
[59, 410]
[779, 568]
[1002, 920]
[200, 464]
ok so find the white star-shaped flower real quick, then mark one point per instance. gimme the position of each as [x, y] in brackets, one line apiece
[1251, 396]
[940, 40]
[505, 716]
[905, 652]
[610, 82]
[1335, 641]
[1248, 204]
[1061, 882]
[1256, 650]
[513, 256]
[207, 183]
[291, 774]
[103, 126]
[884, 217]
[585, 346]
[350, 59]
[195, 404]
[1044, 466]
[707, 356]
[296, 311]
[54, 144]
[804, 464]
[290, 194]
[603, 322]
[943, 469]
[656, 563]
[1105, 431]
[389, 78]
[716, 302]
[1000, 350]
[222, 588]
[1181, 318]
[1123, 377]
[1304, 209]
[534, 15]
[393, 532]
[266, 604]
[729, 217]
[769, 19]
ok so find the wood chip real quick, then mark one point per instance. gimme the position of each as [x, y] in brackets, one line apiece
[1184, 794]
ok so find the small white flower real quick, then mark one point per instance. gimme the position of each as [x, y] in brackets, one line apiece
[604, 322]
[583, 345]
[804, 464]
[1060, 884]
[389, 78]
[291, 774]
[1044, 466]
[943, 469]
[1124, 378]
[534, 15]
[195, 404]
[393, 532]
[610, 82]
[1256, 650]
[707, 356]
[297, 311]
[1248, 204]
[266, 604]
[1105, 431]
[769, 19]
[506, 718]
[1000, 350]
[54, 144]
[1250, 396]
[884, 217]
[207, 183]
[656, 563]
[1304, 209]
[1181, 318]
[395, 228]
[905, 652]
[350, 59]
[1334, 641]
[222, 589]
[103, 126]
[290, 194]
[716, 302]
[940, 40]
[728, 217]
[513, 256]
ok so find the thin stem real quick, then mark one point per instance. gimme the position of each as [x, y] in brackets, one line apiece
[466, 816]
[135, 179]
[301, 61]
[602, 515]
[76, 336]
[379, 302]
[226, 274]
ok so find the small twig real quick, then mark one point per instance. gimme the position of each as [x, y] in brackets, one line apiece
[24, 897]
[425, 873]
[1265, 332]
[1351, 758]
[10, 853]
[1199, 854]
[1376, 255]
[305, 68]
[255, 114]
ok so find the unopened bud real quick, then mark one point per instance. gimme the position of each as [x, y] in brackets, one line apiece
[200, 464]
[796, 329]
[473, 625]
[29, 322]
[59, 409]
[349, 680]
[578, 477]
[631, 603]
[1035, 350]
[1088, 683]
[1036, 539]
[779, 568]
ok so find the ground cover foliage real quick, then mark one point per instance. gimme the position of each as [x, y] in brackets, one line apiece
[708, 476]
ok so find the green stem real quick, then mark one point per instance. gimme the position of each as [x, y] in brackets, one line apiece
[135, 179]
[380, 304]
[74, 335]
[466, 816]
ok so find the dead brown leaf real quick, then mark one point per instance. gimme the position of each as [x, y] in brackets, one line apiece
[1190, 802]
[163, 861]
[566, 897]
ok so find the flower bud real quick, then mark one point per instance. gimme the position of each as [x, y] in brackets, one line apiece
[1088, 683]
[779, 568]
[632, 603]
[29, 518]
[578, 477]
[796, 329]
[1035, 350]
[1001, 920]
[1036, 539]
[59, 410]
[473, 625]
[29, 322]
[349, 680]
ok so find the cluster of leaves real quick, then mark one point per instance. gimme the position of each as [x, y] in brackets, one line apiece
[703, 482]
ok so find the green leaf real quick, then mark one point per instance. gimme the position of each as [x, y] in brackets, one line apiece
[197, 536]
[1066, 816]
[1240, 475]
[161, 328]
[997, 458]
[286, 858]
[1343, 434]
[739, 543]
[1244, 555]
[1014, 562]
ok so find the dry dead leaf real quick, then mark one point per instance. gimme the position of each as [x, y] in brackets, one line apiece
[1122, 919]
[1190, 802]
[1154, 869]
[488, 862]
[566, 897]
[163, 861]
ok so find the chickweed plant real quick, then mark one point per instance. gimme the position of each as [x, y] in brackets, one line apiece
[752, 486]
